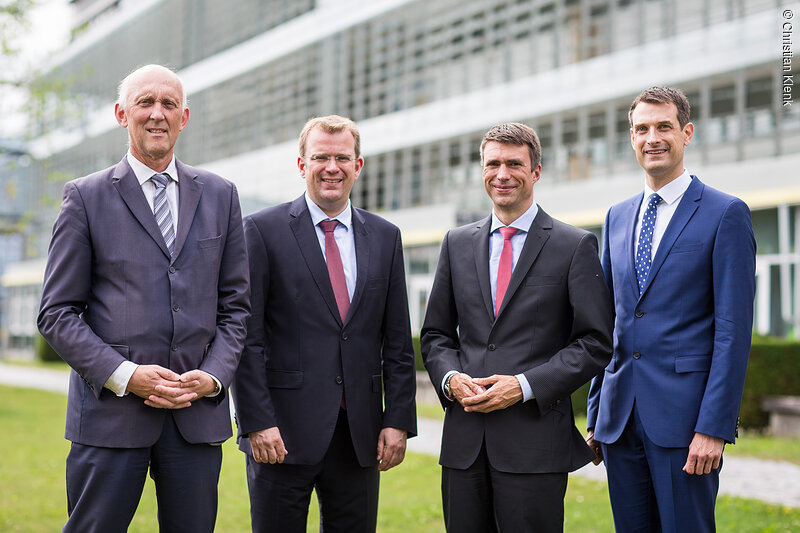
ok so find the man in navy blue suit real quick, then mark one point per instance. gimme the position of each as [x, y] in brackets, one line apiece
[680, 262]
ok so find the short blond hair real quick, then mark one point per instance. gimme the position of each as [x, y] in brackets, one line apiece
[330, 124]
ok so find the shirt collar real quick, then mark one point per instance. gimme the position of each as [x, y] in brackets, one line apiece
[144, 173]
[673, 190]
[523, 223]
[318, 215]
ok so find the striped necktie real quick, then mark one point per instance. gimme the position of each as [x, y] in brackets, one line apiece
[162, 212]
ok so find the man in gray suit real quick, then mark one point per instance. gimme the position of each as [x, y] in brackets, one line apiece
[146, 297]
[518, 318]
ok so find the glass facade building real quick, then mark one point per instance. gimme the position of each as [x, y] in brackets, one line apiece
[424, 80]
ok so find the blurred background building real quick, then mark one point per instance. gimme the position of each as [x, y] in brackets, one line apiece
[425, 79]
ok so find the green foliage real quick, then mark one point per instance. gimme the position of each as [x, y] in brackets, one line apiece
[43, 351]
[32, 497]
[773, 370]
[417, 355]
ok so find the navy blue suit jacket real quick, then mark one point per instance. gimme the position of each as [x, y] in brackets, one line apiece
[681, 349]
[300, 355]
[112, 292]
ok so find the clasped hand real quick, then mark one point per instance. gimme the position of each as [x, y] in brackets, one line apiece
[162, 388]
[483, 395]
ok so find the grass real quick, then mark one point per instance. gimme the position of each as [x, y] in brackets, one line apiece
[32, 497]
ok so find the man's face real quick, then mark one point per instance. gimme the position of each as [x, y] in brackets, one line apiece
[508, 178]
[330, 168]
[154, 116]
[659, 141]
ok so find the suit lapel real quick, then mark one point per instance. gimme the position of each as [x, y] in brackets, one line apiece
[131, 192]
[686, 208]
[480, 243]
[362, 236]
[189, 193]
[306, 237]
[630, 243]
[537, 236]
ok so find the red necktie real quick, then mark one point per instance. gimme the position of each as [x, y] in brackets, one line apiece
[504, 268]
[335, 268]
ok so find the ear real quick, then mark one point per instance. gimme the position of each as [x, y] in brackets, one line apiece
[120, 115]
[536, 173]
[359, 165]
[688, 133]
[184, 118]
[301, 166]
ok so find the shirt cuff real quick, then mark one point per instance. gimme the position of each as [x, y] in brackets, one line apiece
[527, 391]
[118, 381]
[444, 380]
[218, 388]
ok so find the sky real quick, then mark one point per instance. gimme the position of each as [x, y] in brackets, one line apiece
[49, 32]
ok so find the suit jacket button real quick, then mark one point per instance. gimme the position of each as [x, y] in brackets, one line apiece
[339, 380]
[174, 347]
[636, 355]
[638, 314]
[172, 270]
[492, 347]
[176, 308]
[345, 336]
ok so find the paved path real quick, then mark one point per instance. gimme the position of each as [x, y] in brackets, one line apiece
[774, 482]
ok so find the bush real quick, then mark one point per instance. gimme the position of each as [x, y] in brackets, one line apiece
[773, 370]
[43, 351]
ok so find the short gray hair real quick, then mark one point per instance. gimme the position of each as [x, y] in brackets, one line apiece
[122, 90]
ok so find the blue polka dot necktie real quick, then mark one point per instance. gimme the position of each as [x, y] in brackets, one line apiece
[644, 250]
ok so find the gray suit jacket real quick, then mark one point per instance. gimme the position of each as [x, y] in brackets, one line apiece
[111, 292]
[554, 326]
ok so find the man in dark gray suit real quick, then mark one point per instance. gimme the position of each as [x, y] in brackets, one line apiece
[518, 318]
[325, 389]
[146, 297]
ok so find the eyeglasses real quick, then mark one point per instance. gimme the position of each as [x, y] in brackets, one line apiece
[321, 159]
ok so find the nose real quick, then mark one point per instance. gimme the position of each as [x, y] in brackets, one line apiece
[157, 112]
[330, 165]
[652, 135]
[503, 172]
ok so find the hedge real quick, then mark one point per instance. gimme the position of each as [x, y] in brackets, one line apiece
[773, 370]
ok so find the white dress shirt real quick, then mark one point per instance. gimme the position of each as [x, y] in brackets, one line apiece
[523, 224]
[343, 234]
[671, 194]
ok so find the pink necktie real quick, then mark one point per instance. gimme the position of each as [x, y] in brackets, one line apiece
[335, 268]
[504, 268]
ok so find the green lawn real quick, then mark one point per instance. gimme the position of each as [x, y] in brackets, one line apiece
[33, 450]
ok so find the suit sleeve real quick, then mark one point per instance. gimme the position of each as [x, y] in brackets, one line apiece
[593, 401]
[590, 343]
[439, 341]
[254, 409]
[65, 293]
[733, 264]
[399, 375]
[233, 302]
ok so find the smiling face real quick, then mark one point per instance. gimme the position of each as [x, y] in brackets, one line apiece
[154, 115]
[508, 178]
[329, 181]
[659, 141]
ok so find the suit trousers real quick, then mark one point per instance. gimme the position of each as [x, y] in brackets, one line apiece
[104, 485]
[649, 490]
[482, 499]
[347, 492]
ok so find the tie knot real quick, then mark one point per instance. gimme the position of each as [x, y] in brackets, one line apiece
[160, 180]
[508, 232]
[328, 225]
[655, 199]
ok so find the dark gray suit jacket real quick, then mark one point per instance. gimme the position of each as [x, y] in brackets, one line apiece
[554, 326]
[111, 292]
[299, 356]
